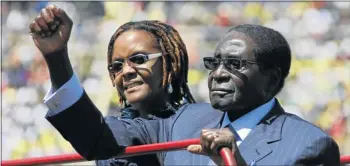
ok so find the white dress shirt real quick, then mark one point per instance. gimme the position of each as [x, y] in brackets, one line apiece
[64, 97]
[243, 125]
[246, 123]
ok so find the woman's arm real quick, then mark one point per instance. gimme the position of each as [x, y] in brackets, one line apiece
[60, 67]
[80, 122]
[95, 137]
[71, 111]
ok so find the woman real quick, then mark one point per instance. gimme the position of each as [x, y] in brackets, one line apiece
[148, 64]
[146, 60]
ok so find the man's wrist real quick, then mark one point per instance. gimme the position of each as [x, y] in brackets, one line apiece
[59, 66]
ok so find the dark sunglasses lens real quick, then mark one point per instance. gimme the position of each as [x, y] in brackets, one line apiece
[137, 59]
[211, 63]
[232, 64]
[117, 66]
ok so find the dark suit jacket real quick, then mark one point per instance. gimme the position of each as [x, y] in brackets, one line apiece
[146, 160]
[279, 139]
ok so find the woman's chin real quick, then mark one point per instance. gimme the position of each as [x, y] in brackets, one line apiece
[136, 97]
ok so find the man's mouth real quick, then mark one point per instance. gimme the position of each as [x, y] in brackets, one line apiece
[221, 91]
[132, 85]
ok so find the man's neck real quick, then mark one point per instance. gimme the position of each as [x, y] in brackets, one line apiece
[236, 113]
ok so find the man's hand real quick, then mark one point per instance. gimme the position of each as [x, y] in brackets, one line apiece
[211, 142]
[51, 30]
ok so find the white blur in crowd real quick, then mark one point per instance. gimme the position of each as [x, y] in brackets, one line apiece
[317, 89]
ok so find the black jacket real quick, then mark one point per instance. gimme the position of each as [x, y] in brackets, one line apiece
[146, 160]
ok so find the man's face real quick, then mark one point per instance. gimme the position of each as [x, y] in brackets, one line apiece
[233, 86]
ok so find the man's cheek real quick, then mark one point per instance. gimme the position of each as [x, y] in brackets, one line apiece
[210, 80]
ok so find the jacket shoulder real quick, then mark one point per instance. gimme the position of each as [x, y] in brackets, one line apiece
[197, 109]
[317, 145]
[192, 118]
[196, 106]
[302, 126]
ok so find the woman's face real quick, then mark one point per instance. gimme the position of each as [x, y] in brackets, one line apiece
[142, 82]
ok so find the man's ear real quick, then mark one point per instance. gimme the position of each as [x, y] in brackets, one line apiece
[275, 78]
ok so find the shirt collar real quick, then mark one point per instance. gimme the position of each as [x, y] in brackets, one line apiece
[246, 123]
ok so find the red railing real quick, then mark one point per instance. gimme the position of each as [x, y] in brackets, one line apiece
[345, 160]
[129, 151]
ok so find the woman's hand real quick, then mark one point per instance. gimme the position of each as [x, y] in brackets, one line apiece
[51, 30]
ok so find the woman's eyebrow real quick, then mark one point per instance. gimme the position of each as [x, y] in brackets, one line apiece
[118, 58]
[140, 52]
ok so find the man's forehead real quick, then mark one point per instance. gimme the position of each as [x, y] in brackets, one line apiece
[231, 47]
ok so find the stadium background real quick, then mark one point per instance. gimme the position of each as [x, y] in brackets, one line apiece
[317, 89]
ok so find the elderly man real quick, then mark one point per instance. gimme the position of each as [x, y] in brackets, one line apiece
[248, 69]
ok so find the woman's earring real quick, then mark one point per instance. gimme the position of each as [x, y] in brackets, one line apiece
[170, 89]
[126, 103]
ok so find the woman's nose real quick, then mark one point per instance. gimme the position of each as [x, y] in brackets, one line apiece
[128, 71]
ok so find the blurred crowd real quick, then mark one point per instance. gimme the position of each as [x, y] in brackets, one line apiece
[317, 89]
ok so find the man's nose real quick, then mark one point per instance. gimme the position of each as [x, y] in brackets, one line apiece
[128, 71]
[221, 75]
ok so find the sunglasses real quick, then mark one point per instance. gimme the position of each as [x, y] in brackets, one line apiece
[230, 63]
[133, 61]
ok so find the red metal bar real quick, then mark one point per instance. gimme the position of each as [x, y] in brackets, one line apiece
[129, 151]
[227, 156]
[58, 159]
[345, 159]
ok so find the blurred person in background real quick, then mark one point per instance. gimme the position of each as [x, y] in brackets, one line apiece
[147, 63]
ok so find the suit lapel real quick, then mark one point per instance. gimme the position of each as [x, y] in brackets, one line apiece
[257, 145]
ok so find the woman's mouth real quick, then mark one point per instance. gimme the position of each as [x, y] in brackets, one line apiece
[132, 85]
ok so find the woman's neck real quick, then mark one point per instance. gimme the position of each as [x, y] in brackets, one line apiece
[149, 107]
